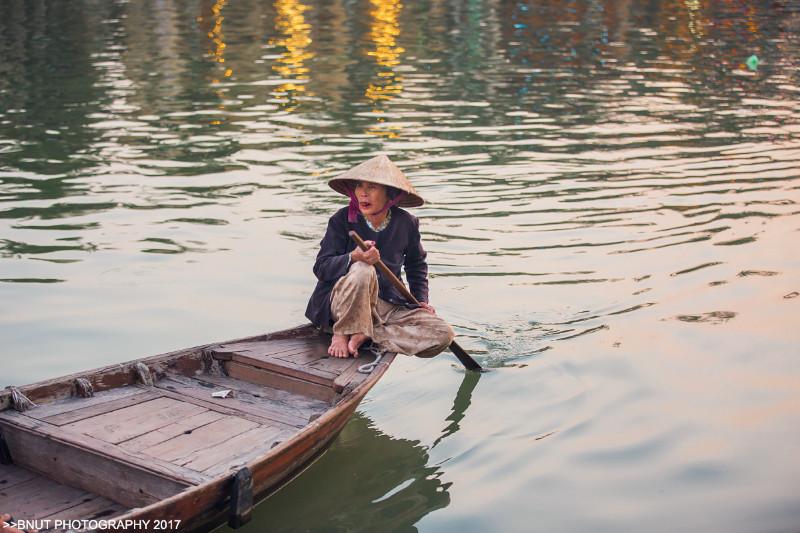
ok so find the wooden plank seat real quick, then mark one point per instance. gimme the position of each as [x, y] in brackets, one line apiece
[303, 358]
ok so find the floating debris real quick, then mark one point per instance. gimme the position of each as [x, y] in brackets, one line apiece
[714, 317]
[766, 273]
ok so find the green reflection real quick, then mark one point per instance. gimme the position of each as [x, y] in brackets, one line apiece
[461, 403]
[367, 481]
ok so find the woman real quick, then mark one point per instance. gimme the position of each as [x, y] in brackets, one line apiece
[351, 298]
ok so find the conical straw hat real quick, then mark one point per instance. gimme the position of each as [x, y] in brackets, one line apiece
[381, 170]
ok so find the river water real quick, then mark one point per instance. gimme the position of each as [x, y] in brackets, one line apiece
[612, 225]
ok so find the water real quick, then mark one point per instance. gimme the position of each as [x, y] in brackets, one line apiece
[611, 220]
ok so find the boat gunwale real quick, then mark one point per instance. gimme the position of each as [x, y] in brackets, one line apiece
[34, 390]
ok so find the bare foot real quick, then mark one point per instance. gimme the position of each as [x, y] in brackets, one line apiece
[355, 343]
[338, 347]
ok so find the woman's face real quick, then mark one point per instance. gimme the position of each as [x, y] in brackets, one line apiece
[371, 197]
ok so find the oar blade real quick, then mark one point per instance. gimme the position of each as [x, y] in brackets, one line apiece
[468, 362]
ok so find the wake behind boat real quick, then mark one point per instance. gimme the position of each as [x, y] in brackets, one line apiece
[184, 440]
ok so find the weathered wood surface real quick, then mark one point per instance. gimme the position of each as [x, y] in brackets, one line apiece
[107, 378]
[271, 355]
[32, 497]
[170, 450]
[184, 361]
[281, 366]
[60, 412]
[304, 358]
[129, 422]
[229, 452]
[180, 449]
[95, 508]
[208, 504]
[243, 449]
[350, 375]
[260, 413]
[278, 398]
[280, 381]
[241, 507]
[11, 475]
[182, 427]
[91, 464]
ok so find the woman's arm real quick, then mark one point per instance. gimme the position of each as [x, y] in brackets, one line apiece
[415, 265]
[333, 258]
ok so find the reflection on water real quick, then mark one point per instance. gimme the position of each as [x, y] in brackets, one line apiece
[388, 484]
[217, 50]
[384, 31]
[612, 206]
[389, 487]
[460, 405]
[291, 23]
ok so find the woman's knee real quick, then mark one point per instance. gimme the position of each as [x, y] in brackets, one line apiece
[440, 338]
[361, 272]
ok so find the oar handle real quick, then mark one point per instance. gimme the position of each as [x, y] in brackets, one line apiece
[385, 270]
[468, 362]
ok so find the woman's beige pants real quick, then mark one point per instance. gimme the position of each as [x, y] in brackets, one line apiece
[356, 308]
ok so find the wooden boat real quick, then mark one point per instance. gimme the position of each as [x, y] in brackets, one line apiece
[146, 443]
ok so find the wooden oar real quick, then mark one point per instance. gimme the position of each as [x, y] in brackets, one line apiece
[468, 362]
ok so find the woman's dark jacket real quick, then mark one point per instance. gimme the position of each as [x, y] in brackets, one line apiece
[399, 245]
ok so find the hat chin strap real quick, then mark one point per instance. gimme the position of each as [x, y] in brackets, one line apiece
[352, 209]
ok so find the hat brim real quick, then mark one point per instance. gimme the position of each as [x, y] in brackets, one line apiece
[409, 200]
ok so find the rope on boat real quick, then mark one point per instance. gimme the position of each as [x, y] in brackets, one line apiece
[83, 387]
[369, 367]
[211, 364]
[20, 402]
[144, 374]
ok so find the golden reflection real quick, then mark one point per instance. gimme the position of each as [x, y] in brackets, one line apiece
[752, 22]
[295, 38]
[695, 26]
[384, 31]
[217, 50]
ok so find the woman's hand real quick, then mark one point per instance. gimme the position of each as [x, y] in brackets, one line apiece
[427, 307]
[370, 257]
[5, 527]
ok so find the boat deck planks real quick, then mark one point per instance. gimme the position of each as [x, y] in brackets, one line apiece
[11, 475]
[210, 458]
[155, 437]
[36, 497]
[60, 412]
[277, 398]
[261, 411]
[79, 413]
[177, 450]
[170, 449]
[135, 420]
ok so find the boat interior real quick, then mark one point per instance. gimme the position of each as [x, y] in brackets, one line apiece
[99, 444]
